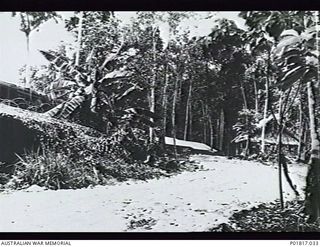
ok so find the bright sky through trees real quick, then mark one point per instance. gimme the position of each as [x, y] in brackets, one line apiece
[12, 45]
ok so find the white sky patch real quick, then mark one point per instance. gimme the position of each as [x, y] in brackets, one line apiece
[200, 24]
[13, 54]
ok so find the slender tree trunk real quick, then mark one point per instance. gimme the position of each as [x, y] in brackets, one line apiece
[245, 105]
[305, 138]
[204, 117]
[211, 131]
[153, 84]
[28, 32]
[164, 105]
[265, 111]
[221, 130]
[316, 17]
[247, 148]
[188, 106]
[190, 116]
[79, 39]
[256, 97]
[179, 92]
[173, 117]
[217, 134]
[207, 117]
[302, 129]
[313, 177]
[243, 92]
[280, 158]
[190, 120]
[286, 174]
[280, 168]
[27, 72]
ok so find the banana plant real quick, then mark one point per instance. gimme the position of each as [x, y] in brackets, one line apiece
[298, 56]
[106, 91]
[87, 83]
[90, 86]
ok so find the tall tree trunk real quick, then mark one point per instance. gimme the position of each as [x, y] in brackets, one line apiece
[302, 129]
[221, 130]
[305, 138]
[316, 17]
[79, 39]
[247, 148]
[265, 111]
[188, 106]
[280, 158]
[173, 117]
[256, 96]
[208, 124]
[218, 133]
[27, 72]
[153, 83]
[211, 131]
[190, 120]
[282, 161]
[204, 117]
[164, 105]
[245, 106]
[244, 97]
[313, 177]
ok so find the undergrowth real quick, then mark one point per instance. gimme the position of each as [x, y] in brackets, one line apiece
[270, 218]
[53, 169]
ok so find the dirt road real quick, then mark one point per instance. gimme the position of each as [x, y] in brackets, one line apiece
[191, 201]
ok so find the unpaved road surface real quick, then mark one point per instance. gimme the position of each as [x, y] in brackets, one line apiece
[191, 201]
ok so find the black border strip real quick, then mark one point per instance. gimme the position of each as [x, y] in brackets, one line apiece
[126, 5]
[163, 236]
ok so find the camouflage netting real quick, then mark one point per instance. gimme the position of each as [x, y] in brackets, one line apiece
[22, 131]
[58, 154]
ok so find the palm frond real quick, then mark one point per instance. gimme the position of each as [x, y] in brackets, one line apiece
[71, 105]
[59, 62]
[126, 93]
[111, 56]
[54, 111]
[65, 109]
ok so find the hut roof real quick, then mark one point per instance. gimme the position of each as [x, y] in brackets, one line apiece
[26, 93]
[288, 138]
[189, 144]
[271, 139]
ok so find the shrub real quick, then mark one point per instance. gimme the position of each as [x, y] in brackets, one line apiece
[49, 167]
[4, 178]
[270, 218]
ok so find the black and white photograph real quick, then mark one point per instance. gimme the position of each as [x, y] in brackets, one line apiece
[159, 121]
